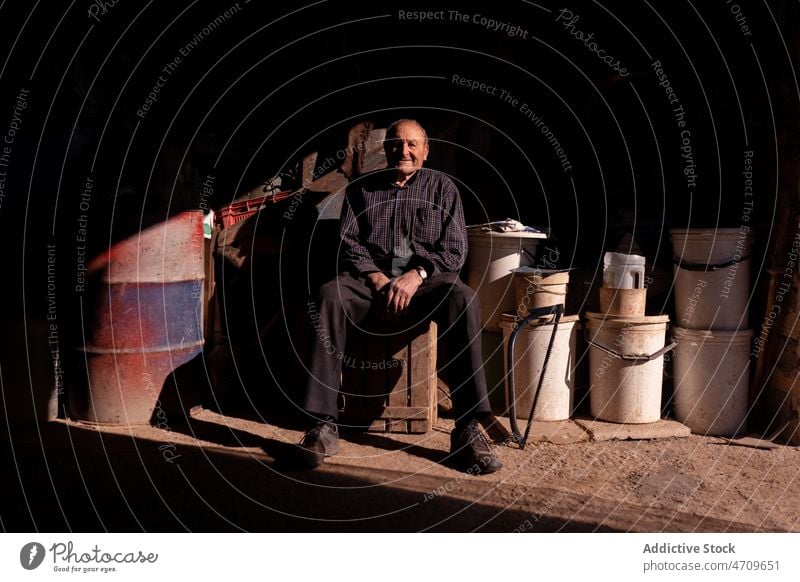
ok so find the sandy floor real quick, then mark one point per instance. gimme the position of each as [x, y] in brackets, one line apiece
[218, 473]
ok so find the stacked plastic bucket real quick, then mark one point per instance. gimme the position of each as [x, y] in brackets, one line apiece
[626, 347]
[712, 359]
[541, 288]
[492, 259]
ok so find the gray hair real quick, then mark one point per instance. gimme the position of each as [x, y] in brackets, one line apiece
[392, 129]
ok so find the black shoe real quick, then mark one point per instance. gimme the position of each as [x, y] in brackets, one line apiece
[319, 442]
[471, 448]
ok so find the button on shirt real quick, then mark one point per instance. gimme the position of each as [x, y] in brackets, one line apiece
[389, 228]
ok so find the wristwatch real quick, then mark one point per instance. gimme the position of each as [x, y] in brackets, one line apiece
[422, 272]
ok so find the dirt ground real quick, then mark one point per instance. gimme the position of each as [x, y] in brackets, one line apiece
[226, 473]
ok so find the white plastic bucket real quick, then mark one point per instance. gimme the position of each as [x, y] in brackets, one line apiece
[622, 388]
[621, 271]
[712, 380]
[712, 278]
[558, 388]
[492, 258]
[536, 288]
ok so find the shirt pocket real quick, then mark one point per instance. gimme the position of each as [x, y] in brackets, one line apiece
[427, 226]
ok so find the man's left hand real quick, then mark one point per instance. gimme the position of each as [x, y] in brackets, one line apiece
[400, 291]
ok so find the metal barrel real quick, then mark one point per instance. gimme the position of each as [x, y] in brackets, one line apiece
[143, 323]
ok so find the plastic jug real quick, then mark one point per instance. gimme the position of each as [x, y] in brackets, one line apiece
[621, 271]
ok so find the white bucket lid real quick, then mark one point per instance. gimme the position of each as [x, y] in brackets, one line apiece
[472, 232]
[504, 239]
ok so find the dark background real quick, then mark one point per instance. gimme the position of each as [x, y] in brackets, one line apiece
[279, 80]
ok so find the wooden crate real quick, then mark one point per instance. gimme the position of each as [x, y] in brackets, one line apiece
[389, 379]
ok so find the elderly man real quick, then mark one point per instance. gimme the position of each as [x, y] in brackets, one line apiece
[403, 243]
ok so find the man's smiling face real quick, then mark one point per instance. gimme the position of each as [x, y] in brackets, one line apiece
[406, 149]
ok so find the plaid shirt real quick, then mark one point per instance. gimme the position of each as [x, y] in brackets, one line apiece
[393, 229]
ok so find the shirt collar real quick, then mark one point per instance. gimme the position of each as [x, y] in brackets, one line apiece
[410, 181]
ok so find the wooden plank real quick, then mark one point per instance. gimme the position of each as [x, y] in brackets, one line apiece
[424, 381]
[444, 401]
[423, 378]
[433, 373]
[375, 378]
[419, 426]
[397, 376]
[419, 370]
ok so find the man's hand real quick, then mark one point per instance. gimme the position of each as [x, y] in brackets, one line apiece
[400, 292]
[378, 280]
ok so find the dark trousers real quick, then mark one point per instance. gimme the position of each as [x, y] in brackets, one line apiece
[347, 300]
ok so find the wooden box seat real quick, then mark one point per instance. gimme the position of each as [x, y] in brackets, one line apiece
[389, 380]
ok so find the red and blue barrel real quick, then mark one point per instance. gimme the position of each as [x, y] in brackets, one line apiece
[144, 321]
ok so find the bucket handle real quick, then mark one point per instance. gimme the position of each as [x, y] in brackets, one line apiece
[631, 357]
[543, 288]
[704, 267]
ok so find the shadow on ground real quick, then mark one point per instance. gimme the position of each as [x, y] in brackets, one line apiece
[75, 478]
